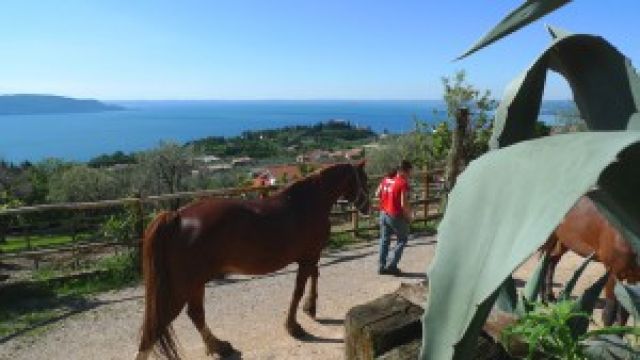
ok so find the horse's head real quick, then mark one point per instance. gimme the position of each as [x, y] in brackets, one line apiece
[357, 190]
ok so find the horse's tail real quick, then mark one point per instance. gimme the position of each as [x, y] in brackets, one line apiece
[156, 328]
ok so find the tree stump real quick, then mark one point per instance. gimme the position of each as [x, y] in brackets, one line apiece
[390, 328]
[381, 325]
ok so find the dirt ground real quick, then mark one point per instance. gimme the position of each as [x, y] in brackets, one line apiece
[247, 311]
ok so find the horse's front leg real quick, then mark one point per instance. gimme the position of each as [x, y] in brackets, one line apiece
[610, 303]
[293, 328]
[546, 289]
[309, 306]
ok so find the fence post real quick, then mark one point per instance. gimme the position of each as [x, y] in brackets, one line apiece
[138, 213]
[3, 229]
[354, 222]
[426, 194]
[74, 236]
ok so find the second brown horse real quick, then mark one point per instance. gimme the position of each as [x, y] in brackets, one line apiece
[585, 231]
[208, 239]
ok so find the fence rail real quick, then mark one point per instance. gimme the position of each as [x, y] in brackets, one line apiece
[79, 226]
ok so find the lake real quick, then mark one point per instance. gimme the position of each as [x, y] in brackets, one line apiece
[145, 123]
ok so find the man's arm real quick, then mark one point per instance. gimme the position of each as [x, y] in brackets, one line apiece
[378, 190]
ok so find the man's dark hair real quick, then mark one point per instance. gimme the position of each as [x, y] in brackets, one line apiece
[405, 165]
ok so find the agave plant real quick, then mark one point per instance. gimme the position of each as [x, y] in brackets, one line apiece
[507, 203]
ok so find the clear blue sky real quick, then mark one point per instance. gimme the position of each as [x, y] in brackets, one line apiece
[278, 49]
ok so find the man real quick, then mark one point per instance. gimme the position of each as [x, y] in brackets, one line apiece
[395, 215]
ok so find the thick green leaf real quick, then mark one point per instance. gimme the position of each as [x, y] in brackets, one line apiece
[609, 347]
[532, 288]
[565, 294]
[629, 298]
[502, 209]
[606, 88]
[525, 14]
[508, 296]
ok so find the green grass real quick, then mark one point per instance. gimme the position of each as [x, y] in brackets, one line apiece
[19, 243]
[429, 228]
[30, 306]
[340, 241]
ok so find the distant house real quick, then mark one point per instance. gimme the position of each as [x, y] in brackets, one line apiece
[323, 156]
[277, 174]
[207, 159]
[241, 161]
[319, 155]
[354, 154]
[302, 158]
[120, 167]
[218, 167]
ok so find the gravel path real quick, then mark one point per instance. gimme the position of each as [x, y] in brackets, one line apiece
[248, 312]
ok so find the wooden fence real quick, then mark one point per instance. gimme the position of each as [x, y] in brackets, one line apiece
[41, 231]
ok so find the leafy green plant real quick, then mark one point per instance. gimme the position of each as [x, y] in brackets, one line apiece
[560, 330]
[119, 227]
[546, 331]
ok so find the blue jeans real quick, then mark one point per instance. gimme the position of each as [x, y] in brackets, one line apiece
[392, 225]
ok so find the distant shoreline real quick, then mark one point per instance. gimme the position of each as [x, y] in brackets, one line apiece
[33, 104]
[142, 125]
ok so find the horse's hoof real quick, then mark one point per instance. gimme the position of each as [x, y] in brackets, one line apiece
[309, 310]
[296, 331]
[222, 348]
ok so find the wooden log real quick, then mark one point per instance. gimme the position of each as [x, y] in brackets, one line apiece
[381, 325]
[390, 328]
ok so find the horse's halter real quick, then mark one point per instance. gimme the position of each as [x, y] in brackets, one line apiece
[362, 197]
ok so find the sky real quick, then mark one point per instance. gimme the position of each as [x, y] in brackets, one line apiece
[279, 49]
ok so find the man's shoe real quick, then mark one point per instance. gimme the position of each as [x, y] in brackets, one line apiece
[393, 271]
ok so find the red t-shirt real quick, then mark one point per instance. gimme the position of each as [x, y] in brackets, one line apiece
[391, 194]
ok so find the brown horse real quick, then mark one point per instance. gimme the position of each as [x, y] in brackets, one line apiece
[208, 239]
[585, 231]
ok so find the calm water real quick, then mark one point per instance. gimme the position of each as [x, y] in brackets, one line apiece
[144, 124]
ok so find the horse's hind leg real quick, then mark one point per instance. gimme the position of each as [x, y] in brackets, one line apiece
[195, 310]
[309, 306]
[293, 328]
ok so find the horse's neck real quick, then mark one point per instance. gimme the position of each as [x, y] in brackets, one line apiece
[319, 190]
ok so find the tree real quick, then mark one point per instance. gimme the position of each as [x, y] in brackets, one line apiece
[459, 94]
[569, 120]
[82, 183]
[164, 169]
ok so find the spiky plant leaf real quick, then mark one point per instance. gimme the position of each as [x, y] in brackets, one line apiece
[565, 294]
[586, 303]
[609, 347]
[532, 288]
[525, 14]
[629, 298]
[508, 296]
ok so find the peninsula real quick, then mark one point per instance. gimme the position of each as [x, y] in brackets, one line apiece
[29, 104]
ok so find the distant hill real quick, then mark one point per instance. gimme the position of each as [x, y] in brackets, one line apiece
[49, 104]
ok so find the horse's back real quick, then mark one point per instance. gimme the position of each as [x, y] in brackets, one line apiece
[243, 236]
[585, 231]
